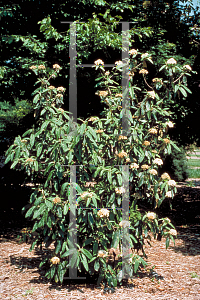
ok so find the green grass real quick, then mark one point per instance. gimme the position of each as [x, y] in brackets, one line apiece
[194, 173]
[194, 162]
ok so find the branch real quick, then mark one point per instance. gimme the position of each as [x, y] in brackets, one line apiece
[146, 82]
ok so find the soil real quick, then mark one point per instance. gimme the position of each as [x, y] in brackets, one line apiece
[176, 274]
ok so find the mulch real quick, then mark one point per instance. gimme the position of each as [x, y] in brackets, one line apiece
[176, 274]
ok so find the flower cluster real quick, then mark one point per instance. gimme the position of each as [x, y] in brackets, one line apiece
[169, 194]
[102, 213]
[153, 130]
[124, 224]
[59, 95]
[119, 62]
[60, 89]
[157, 80]
[172, 182]
[158, 161]
[146, 143]
[167, 141]
[154, 151]
[102, 254]
[61, 110]
[153, 172]
[133, 52]
[151, 94]
[171, 61]
[57, 200]
[55, 260]
[41, 67]
[169, 124]
[165, 176]
[99, 62]
[92, 119]
[145, 167]
[56, 66]
[144, 55]
[51, 87]
[29, 160]
[103, 93]
[99, 131]
[173, 232]
[187, 67]
[122, 154]
[90, 183]
[167, 220]
[120, 190]
[143, 71]
[122, 137]
[33, 67]
[151, 215]
[86, 195]
[134, 166]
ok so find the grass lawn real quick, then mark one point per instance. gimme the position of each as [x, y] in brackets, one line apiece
[194, 173]
[194, 162]
[195, 155]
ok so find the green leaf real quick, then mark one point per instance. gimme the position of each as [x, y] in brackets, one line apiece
[36, 98]
[39, 211]
[119, 178]
[109, 176]
[183, 91]
[95, 247]
[30, 212]
[90, 219]
[167, 242]
[49, 204]
[49, 178]
[96, 265]
[188, 90]
[14, 164]
[87, 253]
[7, 159]
[84, 262]
[66, 208]
[88, 241]
[39, 149]
[136, 265]
[58, 247]
[115, 239]
[32, 140]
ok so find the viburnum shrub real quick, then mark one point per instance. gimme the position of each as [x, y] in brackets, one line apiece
[99, 147]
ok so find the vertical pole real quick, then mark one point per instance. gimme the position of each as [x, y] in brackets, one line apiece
[125, 79]
[125, 217]
[73, 78]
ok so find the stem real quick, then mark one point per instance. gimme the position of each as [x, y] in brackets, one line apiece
[178, 78]
[146, 82]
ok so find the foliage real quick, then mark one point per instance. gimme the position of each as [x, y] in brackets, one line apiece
[11, 117]
[100, 148]
[40, 37]
[176, 165]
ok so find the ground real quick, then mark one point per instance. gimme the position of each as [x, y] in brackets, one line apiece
[176, 273]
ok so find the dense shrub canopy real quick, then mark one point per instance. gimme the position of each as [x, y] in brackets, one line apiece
[127, 143]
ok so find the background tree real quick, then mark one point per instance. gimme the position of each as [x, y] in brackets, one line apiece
[164, 30]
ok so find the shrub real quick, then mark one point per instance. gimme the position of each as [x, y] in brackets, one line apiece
[108, 159]
[176, 165]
